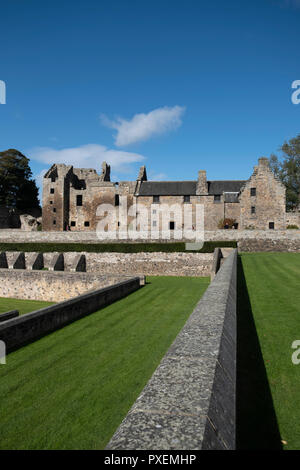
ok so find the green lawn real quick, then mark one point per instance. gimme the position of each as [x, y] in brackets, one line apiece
[268, 322]
[72, 388]
[24, 306]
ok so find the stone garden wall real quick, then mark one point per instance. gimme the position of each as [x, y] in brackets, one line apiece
[51, 286]
[15, 235]
[189, 403]
[27, 328]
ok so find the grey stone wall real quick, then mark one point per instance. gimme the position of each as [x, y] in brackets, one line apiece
[8, 315]
[52, 286]
[141, 264]
[15, 235]
[31, 326]
[150, 264]
[189, 403]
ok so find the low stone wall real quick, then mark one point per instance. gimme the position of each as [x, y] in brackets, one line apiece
[122, 264]
[31, 326]
[52, 286]
[149, 264]
[270, 244]
[189, 403]
[15, 235]
[8, 315]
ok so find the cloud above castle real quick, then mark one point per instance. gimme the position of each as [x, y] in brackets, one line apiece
[86, 156]
[143, 126]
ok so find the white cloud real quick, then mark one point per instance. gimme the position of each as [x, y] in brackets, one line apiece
[86, 156]
[143, 126]
[39, 177]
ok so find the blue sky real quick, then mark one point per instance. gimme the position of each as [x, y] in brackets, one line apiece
[176, 85]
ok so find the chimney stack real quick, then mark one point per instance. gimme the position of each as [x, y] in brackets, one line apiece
[202, 187]
[263, 162]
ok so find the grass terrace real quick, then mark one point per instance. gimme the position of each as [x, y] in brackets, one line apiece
[24, 306]
[72, 388]
[268, 408]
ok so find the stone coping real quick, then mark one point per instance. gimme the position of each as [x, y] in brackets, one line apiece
[189, 402]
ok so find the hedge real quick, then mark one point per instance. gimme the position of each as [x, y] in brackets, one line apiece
[208, 247]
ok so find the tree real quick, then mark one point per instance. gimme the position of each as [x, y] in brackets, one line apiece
[287, 169]
[17, 188]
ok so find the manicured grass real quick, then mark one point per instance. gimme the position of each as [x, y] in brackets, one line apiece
[24, 306]
[71, 389]
[268, 323]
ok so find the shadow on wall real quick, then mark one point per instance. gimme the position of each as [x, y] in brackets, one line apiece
[257, 427]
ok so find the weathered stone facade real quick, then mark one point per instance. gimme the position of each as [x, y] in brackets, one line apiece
[73, 200]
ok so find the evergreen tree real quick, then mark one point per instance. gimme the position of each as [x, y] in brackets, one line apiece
[17, 188]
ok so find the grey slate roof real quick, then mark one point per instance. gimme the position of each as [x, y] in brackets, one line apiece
[230, 186]
[168, 188]
[187, 188]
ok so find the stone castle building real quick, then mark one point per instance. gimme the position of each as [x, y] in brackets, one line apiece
[71, 197]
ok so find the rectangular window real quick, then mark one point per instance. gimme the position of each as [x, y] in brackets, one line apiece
[54, 210]
[186, 199]
[217, 198]
[54, 222]
[172, 225]
[253, 191]
[51, 190]
[73, 223]
[271, 225]
[79, 200]
[86, 224]
[154, 223]
[253, 210]
[117, 200]
[156, 199]
[51, 202]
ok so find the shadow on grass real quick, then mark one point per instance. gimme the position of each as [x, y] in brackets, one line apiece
[257, 426]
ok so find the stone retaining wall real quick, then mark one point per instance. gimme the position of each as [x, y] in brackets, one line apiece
[149, 264]
[189, 403]
[16, 235]
[270, 244]
[52, 286]
[128, 264]
[31, 326]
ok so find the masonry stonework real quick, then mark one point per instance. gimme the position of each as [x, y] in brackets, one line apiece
[74, 199]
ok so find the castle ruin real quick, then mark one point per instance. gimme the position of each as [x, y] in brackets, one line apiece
[71, 197]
